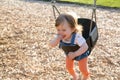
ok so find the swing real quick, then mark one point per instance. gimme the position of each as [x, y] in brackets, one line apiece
[90, 30]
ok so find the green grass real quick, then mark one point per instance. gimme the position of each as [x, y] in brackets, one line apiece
[108, 3]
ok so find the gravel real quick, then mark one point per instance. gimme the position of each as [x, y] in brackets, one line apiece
[26, 28]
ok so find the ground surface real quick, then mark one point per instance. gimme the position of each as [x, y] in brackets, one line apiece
[26, 28]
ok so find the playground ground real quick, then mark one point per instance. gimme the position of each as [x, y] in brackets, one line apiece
[26, 28]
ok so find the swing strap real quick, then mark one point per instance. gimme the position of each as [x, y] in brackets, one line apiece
[93, 16]
[54, 8]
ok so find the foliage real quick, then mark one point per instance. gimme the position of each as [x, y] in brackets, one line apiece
[108, 3]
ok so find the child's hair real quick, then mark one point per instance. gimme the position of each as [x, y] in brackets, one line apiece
[71, 19]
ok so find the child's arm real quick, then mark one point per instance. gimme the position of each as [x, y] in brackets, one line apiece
[83, 48]
[55, 41]
[80, 51]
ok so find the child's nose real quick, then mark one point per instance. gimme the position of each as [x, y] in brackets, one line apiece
[60, 32]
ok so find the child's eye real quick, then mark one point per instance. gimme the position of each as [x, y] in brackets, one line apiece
[63, 30]
[58, 30]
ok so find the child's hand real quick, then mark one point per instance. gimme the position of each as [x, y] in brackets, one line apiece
[55, 41]
[59, 37]
[71, 55]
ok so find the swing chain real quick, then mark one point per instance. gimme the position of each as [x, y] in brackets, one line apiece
[53, 2]
[54, 8]
[94, 9]
[93, 16]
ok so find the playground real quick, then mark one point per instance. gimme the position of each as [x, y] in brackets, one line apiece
[26, 27]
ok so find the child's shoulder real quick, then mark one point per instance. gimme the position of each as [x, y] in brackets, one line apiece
[79, 39]
[78, 35]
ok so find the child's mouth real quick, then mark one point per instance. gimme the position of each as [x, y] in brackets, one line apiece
[63, 36]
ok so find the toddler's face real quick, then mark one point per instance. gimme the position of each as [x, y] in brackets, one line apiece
[65, 30]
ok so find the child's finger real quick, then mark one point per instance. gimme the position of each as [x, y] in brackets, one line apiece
[71, 55]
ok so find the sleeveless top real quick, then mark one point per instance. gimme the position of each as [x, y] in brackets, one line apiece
[71, 47]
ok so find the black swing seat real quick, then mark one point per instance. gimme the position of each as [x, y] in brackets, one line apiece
[92, 37]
